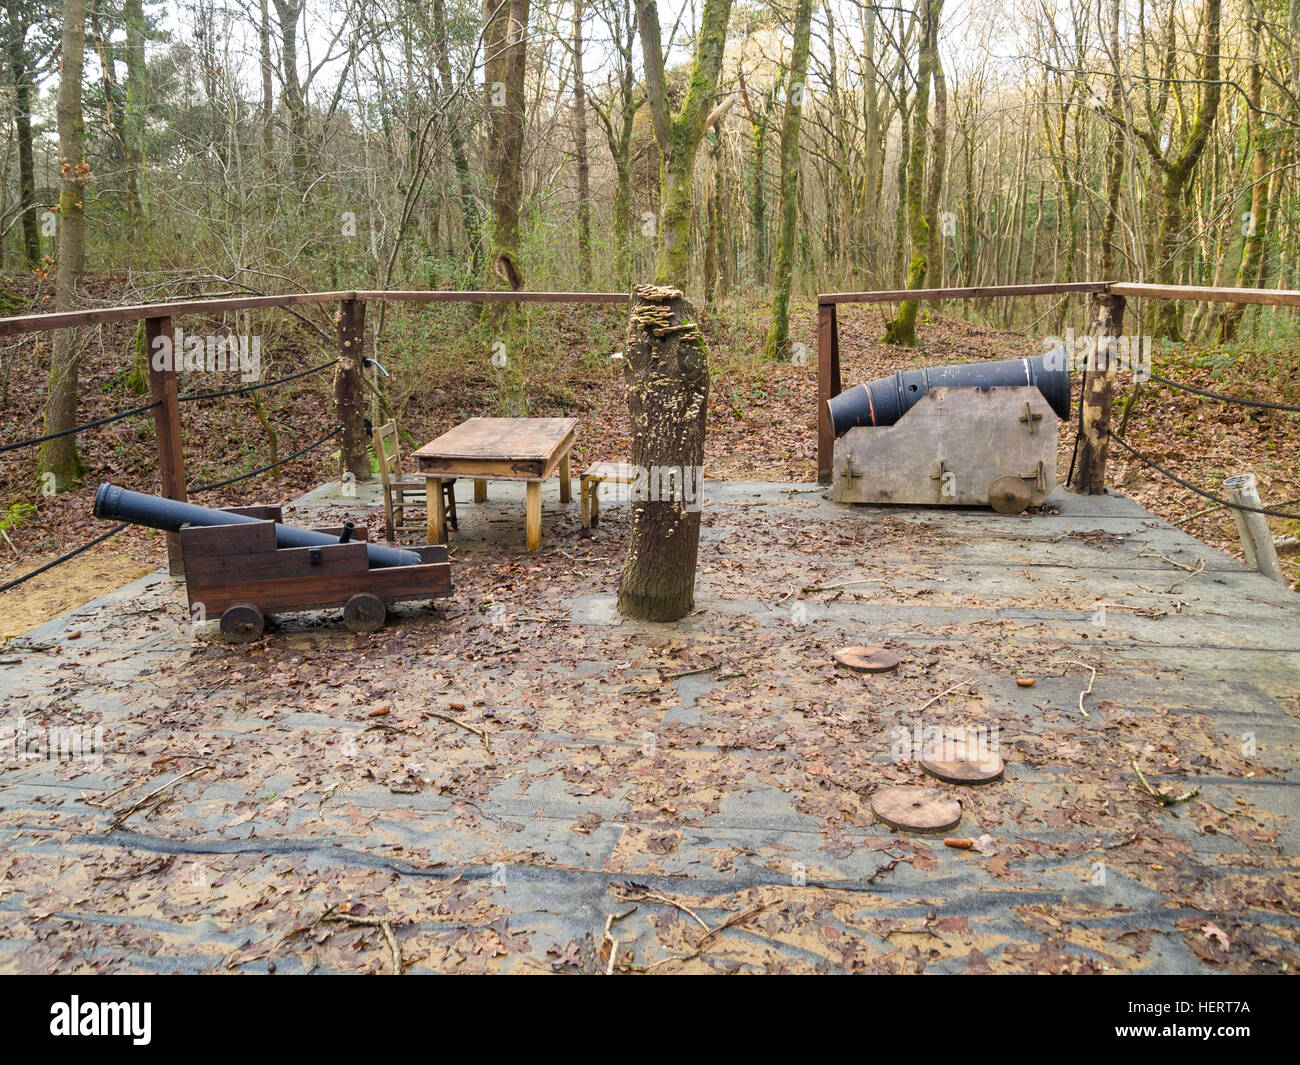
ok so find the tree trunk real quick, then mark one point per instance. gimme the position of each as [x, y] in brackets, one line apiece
[1114, 155]
[59, 457]
[902, 330]
[777, 345]
[288, 12]
[1177, 173]
[268, 88]
[679, 135]
[134, 113]
[667, 376]
[1098, 391]
[938, 164]
[20, 70]
[505, 32]
[1252, 228]
[469, 215]
[580, 150]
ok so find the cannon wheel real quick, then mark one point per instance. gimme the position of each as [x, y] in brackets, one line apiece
[242, 623]
[1009, 495]
[364, 613]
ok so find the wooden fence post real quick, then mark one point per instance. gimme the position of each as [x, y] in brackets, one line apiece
[349, 388]
[1099, 391]
[167, 424]
[828, 385]
[1252, 527]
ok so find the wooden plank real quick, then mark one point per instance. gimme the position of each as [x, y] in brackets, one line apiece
[262, 511]
[950, 448]
[32, 323]
[976, 292]
[217, 570]
[324, 591]
[418, 296]
[1277, 297]
[228, 539]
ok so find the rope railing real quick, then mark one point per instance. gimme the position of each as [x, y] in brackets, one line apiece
[269, 466]
[79, 428]
[1240, 401]
[260, 385]
[1193, 488]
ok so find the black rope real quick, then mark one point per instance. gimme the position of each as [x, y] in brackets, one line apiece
[1222, 398]
[1199, 491]
[79, 428]
[254, 388]
[62, 558]
[269, 466]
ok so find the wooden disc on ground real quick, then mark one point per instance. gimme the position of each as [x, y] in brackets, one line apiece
[1009, 495]
[961, 769]
[916, 809]
[867, 659]
[364, 613]
[242, 623]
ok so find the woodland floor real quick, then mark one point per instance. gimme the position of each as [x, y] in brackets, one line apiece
[324, 771]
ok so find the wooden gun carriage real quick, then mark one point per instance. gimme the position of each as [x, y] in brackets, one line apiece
[237, 571]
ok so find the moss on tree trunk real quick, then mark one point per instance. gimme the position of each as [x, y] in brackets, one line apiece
[777, 345]
[667, 381]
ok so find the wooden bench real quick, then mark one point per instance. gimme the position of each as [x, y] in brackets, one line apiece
[589, 489]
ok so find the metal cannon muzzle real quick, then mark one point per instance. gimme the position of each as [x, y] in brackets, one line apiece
[885, 400]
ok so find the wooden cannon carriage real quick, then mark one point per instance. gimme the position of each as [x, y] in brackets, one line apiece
[237, 571]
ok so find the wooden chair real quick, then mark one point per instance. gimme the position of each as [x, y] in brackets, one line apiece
[403, 489]
[589, 489]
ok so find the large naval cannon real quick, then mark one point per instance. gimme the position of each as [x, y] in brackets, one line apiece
[977, 434]
[885, 400]
[243, 564]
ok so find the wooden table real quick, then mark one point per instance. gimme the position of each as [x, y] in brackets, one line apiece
[498, 449]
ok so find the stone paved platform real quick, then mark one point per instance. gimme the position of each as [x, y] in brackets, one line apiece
[657, 779]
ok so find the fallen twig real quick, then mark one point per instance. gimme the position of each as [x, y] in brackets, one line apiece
[1200, 568]
[1159, 796]
[119, 818]
[461, 724]
[687, 673]
[834, 587]
[936, 698]
[1088, 689]
[652, 896]
[330, 916]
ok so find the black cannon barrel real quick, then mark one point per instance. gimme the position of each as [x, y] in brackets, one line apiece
[885, 400]
[158, 512]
